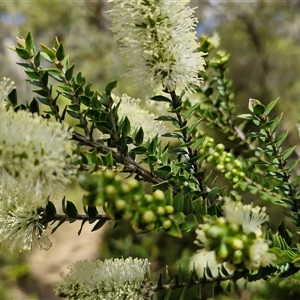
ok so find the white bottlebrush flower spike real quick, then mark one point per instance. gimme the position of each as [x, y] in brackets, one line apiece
[259, 255]
[111, 279]
[34, 152]
[138, 117]
[251, 218]
[203, 259]
[6, 86]
[20, 215]
[158, 41]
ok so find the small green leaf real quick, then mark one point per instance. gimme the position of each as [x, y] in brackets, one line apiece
[74, 107]
[291, 167]
[125, 125]
[37, 59]
[73, 114]
[174, 230]
[50, 53]
[23, 53]
[12, 97]
[32, 74]
[194, 125]
[34, 106]
[45, 79]
[258, 109]
[160, 186]
[287, 153]
[190, 111]
[41, 92]
[178, 202]
[51, 70]
[139, 137]
[270, 106]
[161, 99]
[139, 150]
[29, 41]
[173, 135]
[166, 119]
[60, 52]
[85, 100]
[281, 138]
[61, 221]
[245, 116]
[69, 73]
[110, 87]
[92, 211]
[50, 209]
[275, 123]
[99, 224]
[71, 210]
[109, 159]
[81, 226]
[44, 101]
[46, 57]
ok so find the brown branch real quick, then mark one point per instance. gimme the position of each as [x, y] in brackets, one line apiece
[129, 164]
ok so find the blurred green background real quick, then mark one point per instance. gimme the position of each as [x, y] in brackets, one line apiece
[264, 42]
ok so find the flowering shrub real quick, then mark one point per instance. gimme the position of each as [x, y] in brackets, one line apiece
[166, 159]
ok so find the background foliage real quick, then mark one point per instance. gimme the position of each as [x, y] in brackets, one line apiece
[263, 41]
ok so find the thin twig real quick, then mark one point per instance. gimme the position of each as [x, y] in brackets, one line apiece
[127, 161]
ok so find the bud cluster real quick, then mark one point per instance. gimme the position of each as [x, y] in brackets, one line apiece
[126, 200]
[236, 237]
[224, 161]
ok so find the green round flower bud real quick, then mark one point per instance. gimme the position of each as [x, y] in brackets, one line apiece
[149, 217]
[235, 243]
[109, 174]
[127, 215]
[149, 198]
[150, 227]
[167, 224]
[216, 154]
[220, 147]
[136, 198]
[159, 195]
[222, 252]
[220, 167]
[221, 221]
[120, 205]
[169, 209]
[237, 163]
[237, 257]
[133, 183]
[160, 210]
[234, 227]
[228, 175]
[125, 188]
[235, 179]
[234, 171]
[210, 158]
[241, 174]
[216, 232]
[110, 191]
[201, 151]
[118, 179]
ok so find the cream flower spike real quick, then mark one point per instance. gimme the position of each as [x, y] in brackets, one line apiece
[20, 215]
[251, 218]
[111, 279]
[6, 86]
[158, 43]
[34, 152]
[138, 117]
